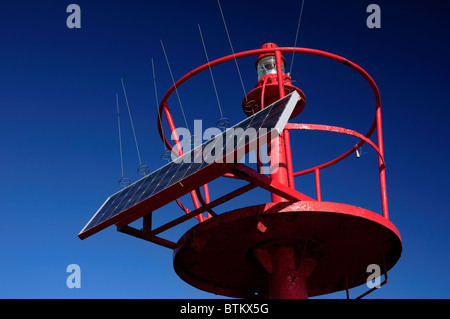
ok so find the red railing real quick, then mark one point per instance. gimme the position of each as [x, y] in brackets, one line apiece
[316, 169]
[177, 150]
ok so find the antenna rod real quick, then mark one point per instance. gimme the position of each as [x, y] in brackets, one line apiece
[131, 120]
[120, 135]
[174, 84]
[210, 71]
[157, 101]
[296, 35]
[232, 50]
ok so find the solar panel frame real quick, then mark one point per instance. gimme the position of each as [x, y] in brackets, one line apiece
[124, 207]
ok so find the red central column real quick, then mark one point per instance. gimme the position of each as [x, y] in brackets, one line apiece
[289, 263]
[288, 280]
[278, 165]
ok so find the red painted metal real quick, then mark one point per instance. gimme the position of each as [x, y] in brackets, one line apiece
[277, 149]
[267, 87]
[202, 209]
[318, 191]
[335, 129]
[147, 223]
[293, 247]
[263, 55]
[279, 74]
[179, 152]
[203, 202]
[376, 124]
[269, 183]
[163, 197]
[287, 147]
[263, 91]
[330, 242]
[288, 266]
[207, 199]
[364, 139]
[142, 235]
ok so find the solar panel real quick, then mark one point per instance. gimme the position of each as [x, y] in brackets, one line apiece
[199, 166]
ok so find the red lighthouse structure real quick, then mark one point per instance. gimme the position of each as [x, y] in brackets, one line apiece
[292, 245]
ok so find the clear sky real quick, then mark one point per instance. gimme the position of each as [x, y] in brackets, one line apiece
[59, 137]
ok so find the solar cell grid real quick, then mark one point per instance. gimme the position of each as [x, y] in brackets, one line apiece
[273, 117]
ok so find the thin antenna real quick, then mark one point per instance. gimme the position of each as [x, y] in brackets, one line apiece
[120, 135]
[223, 122]
[210, 71]
[154, 84]
[157, 100]
[296, 36]
[124, 182]
[232, 50]
[166, 154]
[174, 84]
[142, 169]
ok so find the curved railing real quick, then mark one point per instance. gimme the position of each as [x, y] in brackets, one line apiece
[376, 125]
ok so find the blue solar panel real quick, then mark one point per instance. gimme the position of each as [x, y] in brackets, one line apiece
[271, 119]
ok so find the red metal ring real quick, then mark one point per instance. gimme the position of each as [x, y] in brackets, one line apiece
[164, 106]
[277, 51]
[335, 129]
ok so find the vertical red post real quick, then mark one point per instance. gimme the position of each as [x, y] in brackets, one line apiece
[289, 263]
[173, 130]
[381, 166]
[318, 191]
[277, 146]
[207, 199]
[290, 170]
[288, 280]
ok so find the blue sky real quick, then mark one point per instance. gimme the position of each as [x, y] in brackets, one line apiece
[59, 141]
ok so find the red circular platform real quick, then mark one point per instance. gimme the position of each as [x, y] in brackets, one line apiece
[218, 255]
